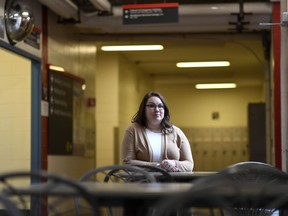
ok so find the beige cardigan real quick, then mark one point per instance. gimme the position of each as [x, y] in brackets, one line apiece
[137, 150]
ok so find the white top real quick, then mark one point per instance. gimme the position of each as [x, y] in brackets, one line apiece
[155, 140]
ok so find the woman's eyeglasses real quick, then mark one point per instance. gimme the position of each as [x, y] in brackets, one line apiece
[154, 106]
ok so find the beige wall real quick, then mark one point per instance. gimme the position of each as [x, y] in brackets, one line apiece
[15, 112]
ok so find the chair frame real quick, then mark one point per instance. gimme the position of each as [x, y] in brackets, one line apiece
[128, 169]
[11, 208]
[37, 177]
[130, 174]
[235, 177]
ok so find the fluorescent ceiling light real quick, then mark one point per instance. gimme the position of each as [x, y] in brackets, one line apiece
[203, 64]
[216, 86]
[132, 48]
[56, 68]
[102, 5]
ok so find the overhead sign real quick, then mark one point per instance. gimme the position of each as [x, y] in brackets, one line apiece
[150, 13]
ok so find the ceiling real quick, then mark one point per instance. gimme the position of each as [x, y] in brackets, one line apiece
[232, 32]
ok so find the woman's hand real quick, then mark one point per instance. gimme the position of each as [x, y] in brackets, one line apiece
[169, 165]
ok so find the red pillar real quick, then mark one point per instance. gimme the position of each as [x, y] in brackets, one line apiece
[276, 33]
[45, 86]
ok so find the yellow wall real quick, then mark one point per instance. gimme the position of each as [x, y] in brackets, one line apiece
[193, 108]
[106, 107]
[215, 143]
[119, 89]
[133, 84]
[15, 112]
[78, 58]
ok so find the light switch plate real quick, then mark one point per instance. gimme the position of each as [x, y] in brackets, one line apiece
[285, 17]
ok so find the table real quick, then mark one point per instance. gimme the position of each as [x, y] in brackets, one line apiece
[134, 197]
[179, 176]
[188, 176]
[106, 190]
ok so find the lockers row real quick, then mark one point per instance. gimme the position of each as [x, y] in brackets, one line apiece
[216, 148]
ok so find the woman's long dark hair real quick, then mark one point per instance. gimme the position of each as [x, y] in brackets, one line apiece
[140, 116]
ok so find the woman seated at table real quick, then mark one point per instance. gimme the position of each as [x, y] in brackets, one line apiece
[152, 139]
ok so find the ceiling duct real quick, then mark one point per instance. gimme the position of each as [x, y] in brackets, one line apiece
[214, 9]
[102, 5]
[64, 8]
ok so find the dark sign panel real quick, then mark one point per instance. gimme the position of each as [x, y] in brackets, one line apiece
[60, 136]
[150, 13]
[33, 39]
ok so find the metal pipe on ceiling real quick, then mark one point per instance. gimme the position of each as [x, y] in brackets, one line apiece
[214, 9]
[192, 18]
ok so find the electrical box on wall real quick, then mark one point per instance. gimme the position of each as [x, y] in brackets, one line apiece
[10, 31]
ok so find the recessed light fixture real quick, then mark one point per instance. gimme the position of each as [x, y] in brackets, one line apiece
[132, 48]
[203, 64]
[215, 86]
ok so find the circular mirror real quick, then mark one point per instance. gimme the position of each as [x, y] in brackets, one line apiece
[19, 21]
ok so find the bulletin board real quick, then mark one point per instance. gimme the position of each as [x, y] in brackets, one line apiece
[63, 90]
